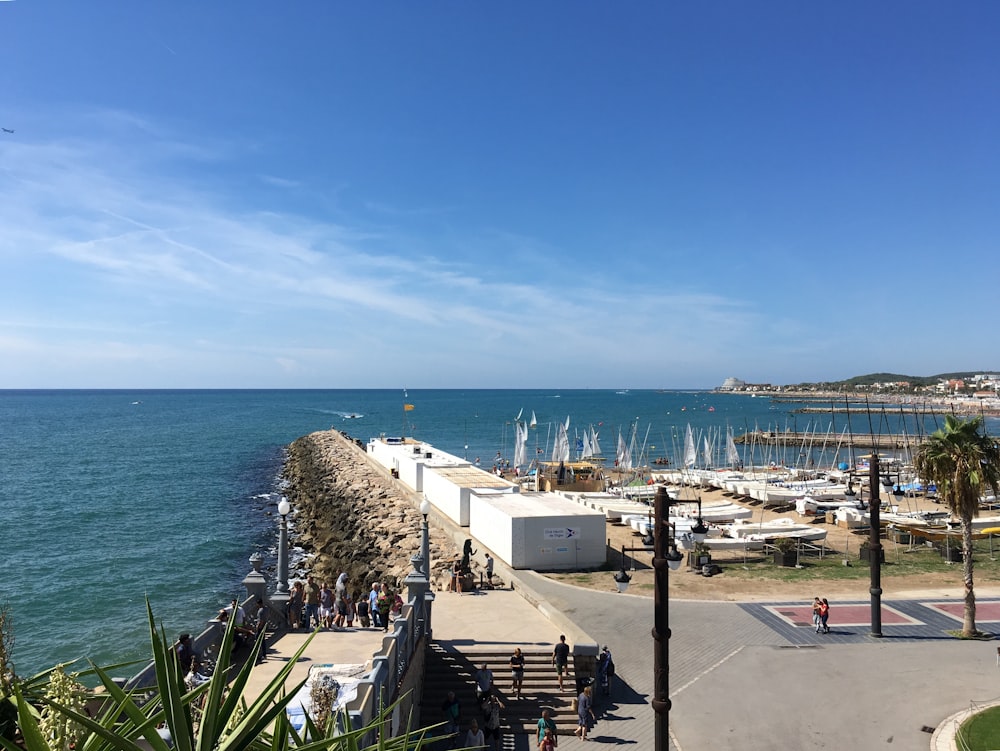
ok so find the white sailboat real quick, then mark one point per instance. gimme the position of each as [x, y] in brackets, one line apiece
[690, 453]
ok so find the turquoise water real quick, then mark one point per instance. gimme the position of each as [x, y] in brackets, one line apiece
[109, 497]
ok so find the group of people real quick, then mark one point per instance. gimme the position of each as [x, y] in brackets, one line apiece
[313, 605]
[481, 732]
[484, 729]
[821, 615]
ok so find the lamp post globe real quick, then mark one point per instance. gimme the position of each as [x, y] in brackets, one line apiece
[425, 507]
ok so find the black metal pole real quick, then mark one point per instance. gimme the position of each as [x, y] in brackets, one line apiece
[661, 622]
[875, 545]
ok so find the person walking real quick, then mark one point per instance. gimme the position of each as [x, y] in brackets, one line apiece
[484, 682]
[817, 604]
[517, 672]
[546, 725]
[824, 616]
[311, 596]
[474, 737]
[452, 712]
[560, 658]
[373, 604]
[491, 707]
[584, 712]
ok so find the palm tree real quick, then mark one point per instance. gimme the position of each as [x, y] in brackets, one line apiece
[963, 461]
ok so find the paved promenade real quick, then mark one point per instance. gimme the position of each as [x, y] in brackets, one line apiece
[755, 676]
[743, 676]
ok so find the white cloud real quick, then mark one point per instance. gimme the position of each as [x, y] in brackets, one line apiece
[115, 236]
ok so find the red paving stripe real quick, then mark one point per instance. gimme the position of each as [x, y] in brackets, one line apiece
[986, 612]
[844, 615]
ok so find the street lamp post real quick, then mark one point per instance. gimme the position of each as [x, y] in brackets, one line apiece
[283, 508]
[425, 544]
[279, 600]
[875, 546]
[664, 560]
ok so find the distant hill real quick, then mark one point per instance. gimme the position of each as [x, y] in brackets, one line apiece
[915, 381]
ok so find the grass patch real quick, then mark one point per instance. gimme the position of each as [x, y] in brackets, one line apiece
[981, 732]
[900, 561]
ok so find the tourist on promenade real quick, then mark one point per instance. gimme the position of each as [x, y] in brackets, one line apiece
[260, 620]
[452, 713]
[340, 601]
[548, 742]
[584, 712]
[351, 610]
[817, 620]
[560, 658]
[311, 597]
[605, 670]
[185, 652]
[194, 676]
[491, 720]
[517, 672]
[484, 682]
[363, 608]
[236, 610]
[296, 600]
[373, 604]
[474, 736]
[456, 575]
[240, 633]
[326, 605]
[824, 616]
[489, 570]
[547, 725]
[385, 600]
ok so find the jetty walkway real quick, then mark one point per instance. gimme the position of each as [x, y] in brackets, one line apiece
[744, 676]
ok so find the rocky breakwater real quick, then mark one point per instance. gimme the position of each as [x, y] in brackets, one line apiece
[350, 515]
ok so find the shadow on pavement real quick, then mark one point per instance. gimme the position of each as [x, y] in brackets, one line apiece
[624, 704]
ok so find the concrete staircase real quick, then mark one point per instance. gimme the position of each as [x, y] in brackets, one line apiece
[446, 670]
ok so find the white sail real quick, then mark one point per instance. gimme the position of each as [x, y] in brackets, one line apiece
[595, 447]
[519, 413]
[560, 449]
[706, 453]
[587, 449]
[520, 444]
[534, 422]
[732, 455]
[623, 457]
[690, 453]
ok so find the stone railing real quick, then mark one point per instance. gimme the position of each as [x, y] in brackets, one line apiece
[398, 667]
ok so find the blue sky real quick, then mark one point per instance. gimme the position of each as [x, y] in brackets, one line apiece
[473, 194]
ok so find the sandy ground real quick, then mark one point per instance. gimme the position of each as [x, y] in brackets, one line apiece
[688, 585]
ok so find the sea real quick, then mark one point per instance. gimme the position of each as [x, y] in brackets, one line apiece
[112, 498]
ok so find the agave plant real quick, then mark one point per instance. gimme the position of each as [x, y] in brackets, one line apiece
[215, 716]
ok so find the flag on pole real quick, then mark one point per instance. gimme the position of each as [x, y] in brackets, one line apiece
[407, 407]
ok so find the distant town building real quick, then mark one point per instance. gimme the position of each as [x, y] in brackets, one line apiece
[733, 384]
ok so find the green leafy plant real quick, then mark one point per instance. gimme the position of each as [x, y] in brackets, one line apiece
[226, 720]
